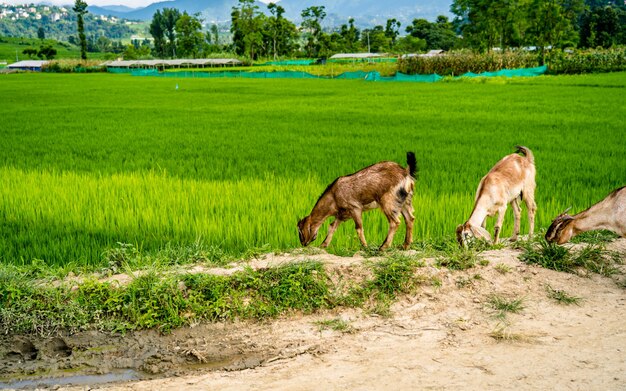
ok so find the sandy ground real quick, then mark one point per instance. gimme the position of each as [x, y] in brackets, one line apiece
[439, 338]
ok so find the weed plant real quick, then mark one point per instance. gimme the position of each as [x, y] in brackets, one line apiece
[502, 305]
[561, 296]
[336, 324]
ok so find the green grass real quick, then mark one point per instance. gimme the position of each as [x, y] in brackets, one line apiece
[592, 258]
[90, 161]
[164, 301]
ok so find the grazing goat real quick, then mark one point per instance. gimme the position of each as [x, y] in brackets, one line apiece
[610, 213]
[385, 185]
[511, 180]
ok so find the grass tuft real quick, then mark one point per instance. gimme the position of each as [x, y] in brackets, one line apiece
[335, 324]
[460, 259]
[502, 305]
[591, 258]
[562, 297]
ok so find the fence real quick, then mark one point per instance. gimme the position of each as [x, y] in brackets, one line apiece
[358, 75]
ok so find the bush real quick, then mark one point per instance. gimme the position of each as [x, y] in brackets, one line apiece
[71, 66]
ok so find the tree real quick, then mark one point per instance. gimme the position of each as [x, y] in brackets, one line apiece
[80, 7]
[189, 34]
[157, 30]
[103, 44]
[438, 35]
[47, 51]
[41, 34]
[374, 39]
[170, 17]
[350, 35]
[216, 34]
[550, 25]
[601, 27]
[246, 25]
[312, 18]
[30, 52]
[392, 30]
[410, 44]
[281, 32]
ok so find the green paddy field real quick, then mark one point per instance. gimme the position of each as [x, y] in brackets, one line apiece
[91, 163]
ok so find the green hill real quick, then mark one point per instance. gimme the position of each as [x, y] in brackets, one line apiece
[12, 48]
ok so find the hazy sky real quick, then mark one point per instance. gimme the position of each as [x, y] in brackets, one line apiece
[129, 3]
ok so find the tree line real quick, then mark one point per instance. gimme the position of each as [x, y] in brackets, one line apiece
[480, 25]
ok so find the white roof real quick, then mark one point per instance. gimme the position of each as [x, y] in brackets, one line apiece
[355, 55]
[27, 64]
[177, 62]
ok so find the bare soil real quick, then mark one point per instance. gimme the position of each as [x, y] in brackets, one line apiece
[442, 337]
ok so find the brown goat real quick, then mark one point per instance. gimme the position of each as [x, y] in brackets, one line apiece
[610, 213]
[385, 185]
[511, 180]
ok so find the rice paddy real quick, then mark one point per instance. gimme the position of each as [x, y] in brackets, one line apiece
[91, 161]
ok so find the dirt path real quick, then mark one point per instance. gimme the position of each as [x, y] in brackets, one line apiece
[440, 338]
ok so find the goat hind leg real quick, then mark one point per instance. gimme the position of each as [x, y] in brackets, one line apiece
[532, 209]
[407, 213]
[517, 212]
[394, 222]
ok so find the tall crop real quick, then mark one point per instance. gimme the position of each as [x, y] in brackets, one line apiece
[90, 161]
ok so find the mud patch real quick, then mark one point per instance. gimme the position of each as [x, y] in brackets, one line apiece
[96, 357]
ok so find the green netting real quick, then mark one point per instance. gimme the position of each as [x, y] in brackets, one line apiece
[289, 62]
[119, 70]
[354, 60]
[520, 72]
[415, 78]
[357, 75]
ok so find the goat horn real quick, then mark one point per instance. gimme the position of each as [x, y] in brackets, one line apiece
[566, 210]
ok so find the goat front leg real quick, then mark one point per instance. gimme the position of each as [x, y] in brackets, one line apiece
[498, 227]
[331, 231]
[358, 225]
[517, 212]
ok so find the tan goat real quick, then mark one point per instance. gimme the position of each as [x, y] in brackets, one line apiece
[511, 180]
[384, 185]
[610, 213]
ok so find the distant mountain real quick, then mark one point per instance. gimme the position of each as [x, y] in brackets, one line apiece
[371, 12]
[211, 10]
[365, 12]
[118, 8]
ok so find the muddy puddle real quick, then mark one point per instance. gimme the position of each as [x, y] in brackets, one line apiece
[92, 357]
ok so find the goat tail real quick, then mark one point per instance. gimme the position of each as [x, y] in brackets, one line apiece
[526, 152]
[412, 164]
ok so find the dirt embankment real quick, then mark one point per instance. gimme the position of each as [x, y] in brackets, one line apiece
[443, 337]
